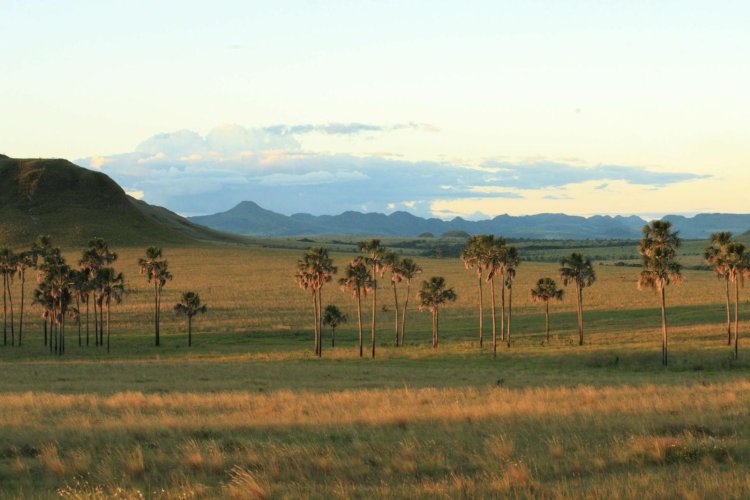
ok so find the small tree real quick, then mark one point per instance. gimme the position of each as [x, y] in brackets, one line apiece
[110, 288]
[715, 255]
[658, 249]
[546, 290]
[473, 257]
[410, 270]
[357, 280]
[333, 317]
[432, 295]
[738, 266]
[189, 307]
[577, 269]
[157, 272]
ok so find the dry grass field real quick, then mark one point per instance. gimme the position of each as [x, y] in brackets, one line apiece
[249, 412]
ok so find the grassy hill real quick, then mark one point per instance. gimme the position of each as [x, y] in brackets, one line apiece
[73, 204]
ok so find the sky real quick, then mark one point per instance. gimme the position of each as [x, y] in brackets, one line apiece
[439, 108]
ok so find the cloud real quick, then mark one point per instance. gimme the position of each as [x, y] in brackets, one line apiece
[545, 174]
[346, 128]
[194, 174]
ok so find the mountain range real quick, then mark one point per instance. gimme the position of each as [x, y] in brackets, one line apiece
[249, 218]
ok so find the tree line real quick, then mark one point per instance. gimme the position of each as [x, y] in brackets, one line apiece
[495, 262]
[79, 292]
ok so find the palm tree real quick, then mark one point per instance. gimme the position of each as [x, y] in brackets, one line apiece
[157, 272]
[375, 253]
[23, 262]
[8, 270]
[473, 258]
[432, 295]
[89, 264]
[410, 270]
[512, 261]
[715, 255]
[41, 249]
[314, 270]
[79, 285]
[189, 307]
[658, 249]
[737, 261]
[392, 263]
[111, 288]
[578, 270]
[357, 280]
[333, 317]
[493, 258]
[546, 290]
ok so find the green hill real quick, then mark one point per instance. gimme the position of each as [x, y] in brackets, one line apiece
[73, 204]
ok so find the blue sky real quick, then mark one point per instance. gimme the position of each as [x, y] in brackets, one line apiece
[441, 108]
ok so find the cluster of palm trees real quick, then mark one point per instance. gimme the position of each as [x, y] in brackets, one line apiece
[61, 290]
[360, 277]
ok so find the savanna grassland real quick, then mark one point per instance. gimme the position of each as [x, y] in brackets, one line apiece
[249, 412]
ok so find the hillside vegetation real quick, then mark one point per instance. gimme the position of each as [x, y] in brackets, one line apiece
[73, 204]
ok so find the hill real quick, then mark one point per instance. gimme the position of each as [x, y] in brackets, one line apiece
[251, 219]
[73, 204]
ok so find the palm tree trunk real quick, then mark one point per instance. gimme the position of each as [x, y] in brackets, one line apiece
[729, 322]
[78, 306]
[319, 323]
[190, 331]
[736, 317]
[374, 309]
[20, 320]
[12, 320]
[156, 314]
[108, 318]
[101, 323]
[502, 311]
[579, 291]
[333, 336]
[437, 327]
[96, 323]
[546, 319]
[494, 321]
[395, 302]
[664, 358]
[359, 321]
[434, 328]
[510, 312]
[315, 322]
[403, 311]
[87, 321]
[481, 315]
[45, 332]
[5, 312]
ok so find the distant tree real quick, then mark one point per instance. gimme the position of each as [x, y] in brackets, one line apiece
[8, 271]
[473, 258]
[41, 250]
[715, 256]
[375, 252]
[79, 286]
[314, 270]
[23, 263]
[512, 261]
[111, 288]
[737, 261]
[410, 270]
[189, 306]
[357, 280]
[578, 270]
[658, 250]
[493, 258]
[157, 272]
[546, 290]
[333, 317]
[432, 296]
[392, 264]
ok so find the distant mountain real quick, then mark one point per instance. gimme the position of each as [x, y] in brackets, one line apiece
[74, 204]
[251, 219]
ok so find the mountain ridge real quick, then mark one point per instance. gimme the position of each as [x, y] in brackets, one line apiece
[249, 218]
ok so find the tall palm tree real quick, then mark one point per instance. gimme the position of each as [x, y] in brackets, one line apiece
[314, 270]
[357, 280]
[89, 263]
[333, 317]
[578, 270]
[79, 286]
[658, 249]
[23, 263]
[493, 259]
[8, 270]
[41, 249]
[544, 291]
[512, 261]
[99, 247]
[715, 255]
[157, 272]
[473, 257]
[432, 295]
[737, 261]
[410, 270]
[375, 253]
[111, 288]
[189, 306]
[392, 263]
